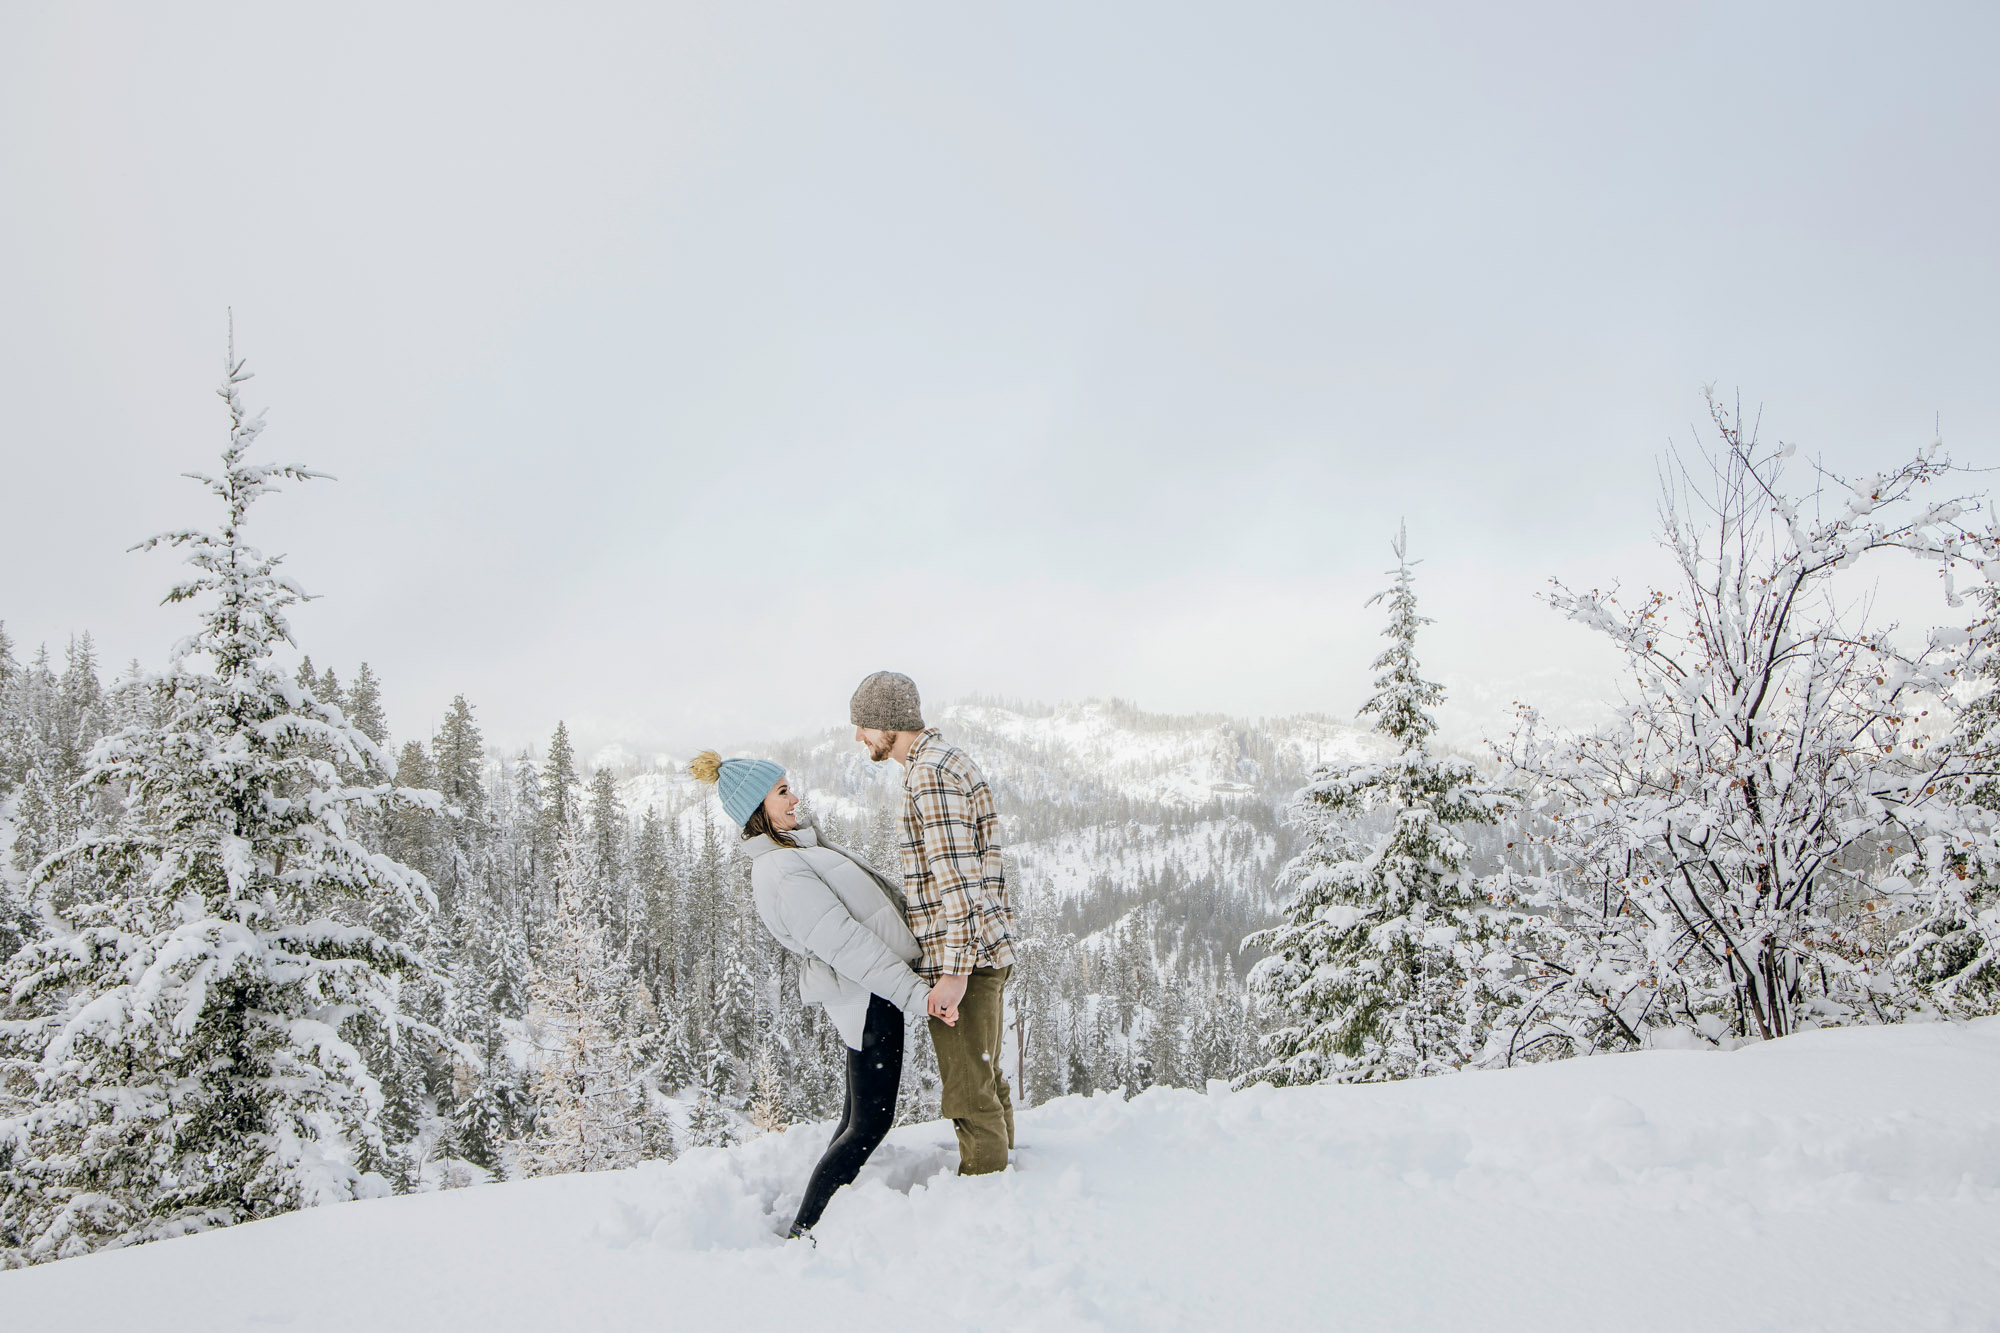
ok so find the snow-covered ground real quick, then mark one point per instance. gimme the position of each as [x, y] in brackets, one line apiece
[1835, 1180]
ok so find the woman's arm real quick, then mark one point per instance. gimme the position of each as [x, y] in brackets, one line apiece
[891, 890]
[817, 919]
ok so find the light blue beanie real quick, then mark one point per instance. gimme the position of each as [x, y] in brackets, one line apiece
[741, 783]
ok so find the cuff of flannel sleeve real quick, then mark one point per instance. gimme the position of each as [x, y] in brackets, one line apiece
[957, 962]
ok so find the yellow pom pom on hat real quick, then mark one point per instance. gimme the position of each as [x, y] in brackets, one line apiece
[706, 766]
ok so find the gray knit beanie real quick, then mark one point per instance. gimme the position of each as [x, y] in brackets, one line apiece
[887, 701]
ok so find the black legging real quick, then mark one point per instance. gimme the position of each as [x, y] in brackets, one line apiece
[874, 1073]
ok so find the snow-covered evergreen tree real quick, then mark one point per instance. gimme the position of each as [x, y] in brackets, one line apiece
[183, 1036]
[654, 920]
[608, 836]
[527, 847]
[364, 707]
[592, 1111]
[1385, 965]
[1949, 947]
[561, 793]
[735, 1013]
[458, 755]
[412, 835]
[56, 718]
[1164, 1046]
[708, 1125]
[8, 666]
[15, 920]
[1217, 1045]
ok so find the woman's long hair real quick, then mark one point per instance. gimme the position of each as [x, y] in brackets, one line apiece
[760, 823]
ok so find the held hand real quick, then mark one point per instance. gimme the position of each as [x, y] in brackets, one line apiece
[944, 998]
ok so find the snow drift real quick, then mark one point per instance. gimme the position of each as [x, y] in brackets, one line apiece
[1834, 1180]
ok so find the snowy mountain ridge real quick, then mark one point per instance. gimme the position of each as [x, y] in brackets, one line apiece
[1073, 752]
[1106, 808]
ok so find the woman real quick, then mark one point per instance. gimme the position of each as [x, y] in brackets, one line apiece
[848, 923]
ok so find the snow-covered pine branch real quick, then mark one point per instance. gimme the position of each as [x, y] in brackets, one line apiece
[1780, 786]
[185, 1021]
[1386, 964]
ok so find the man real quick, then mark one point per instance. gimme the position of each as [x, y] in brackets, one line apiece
[959, 910]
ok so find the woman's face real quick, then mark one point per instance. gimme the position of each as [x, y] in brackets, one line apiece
[781, 807]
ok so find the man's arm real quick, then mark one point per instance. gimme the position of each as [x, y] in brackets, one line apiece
[951, 855]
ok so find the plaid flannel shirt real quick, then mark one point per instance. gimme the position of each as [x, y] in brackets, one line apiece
[959, 908]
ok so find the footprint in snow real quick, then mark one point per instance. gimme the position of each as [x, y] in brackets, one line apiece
[903, 1169]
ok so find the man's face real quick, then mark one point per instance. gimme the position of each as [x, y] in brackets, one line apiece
[878, 743]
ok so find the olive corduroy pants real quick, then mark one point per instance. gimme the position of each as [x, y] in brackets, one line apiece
[976, 1098]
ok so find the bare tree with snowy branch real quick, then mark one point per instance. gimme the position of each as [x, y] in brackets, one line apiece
[1781, 785]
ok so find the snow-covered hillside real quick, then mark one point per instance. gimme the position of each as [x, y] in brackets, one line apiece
[1835, 1180]
[1102, 857]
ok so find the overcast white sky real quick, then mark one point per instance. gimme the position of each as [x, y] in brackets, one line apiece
[682, 363]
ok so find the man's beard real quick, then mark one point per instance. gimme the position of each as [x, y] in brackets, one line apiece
[879, 750]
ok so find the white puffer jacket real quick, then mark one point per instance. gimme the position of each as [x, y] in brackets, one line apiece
[845, 919]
